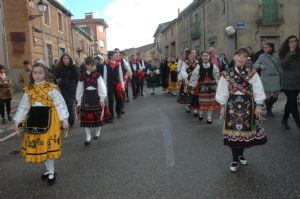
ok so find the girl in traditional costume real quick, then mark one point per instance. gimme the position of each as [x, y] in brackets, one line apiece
[172, 76]
[90, 95]
[153, 80]
[46, 113]
[187, 69]
[241, 96]
[204, 82]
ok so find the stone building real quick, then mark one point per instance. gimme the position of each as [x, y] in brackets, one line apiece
[203, 22]
[83, 43]
[158, 40]
[26, 35]
[98, 26]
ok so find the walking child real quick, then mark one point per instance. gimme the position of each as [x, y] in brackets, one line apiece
[90, 95]
[44, 112]
[204, 81]
[241, 96]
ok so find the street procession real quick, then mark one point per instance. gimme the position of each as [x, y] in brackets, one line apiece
[210, 109]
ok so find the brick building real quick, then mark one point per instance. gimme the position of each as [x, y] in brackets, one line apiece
[98, 26]
[27, 36]
[83, 43]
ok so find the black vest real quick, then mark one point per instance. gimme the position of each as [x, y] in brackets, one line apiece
[112, 76]
[206, 71]
[124, 70]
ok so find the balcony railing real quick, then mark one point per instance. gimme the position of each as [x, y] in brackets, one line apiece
[270, 15]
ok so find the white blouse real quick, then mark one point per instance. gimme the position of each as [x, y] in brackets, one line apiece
[58, 101]
[195, 75]
[183, 75]
[102, 90]
[222, 93]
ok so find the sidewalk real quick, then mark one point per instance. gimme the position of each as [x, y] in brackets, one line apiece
[8, 128]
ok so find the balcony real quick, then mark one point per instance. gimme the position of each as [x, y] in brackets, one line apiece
[270, 15]
[195, 31]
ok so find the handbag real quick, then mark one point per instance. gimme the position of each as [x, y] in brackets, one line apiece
[38, 120]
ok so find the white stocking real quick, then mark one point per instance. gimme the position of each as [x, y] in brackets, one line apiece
[88, 134]
[98, 131]
[209, 114]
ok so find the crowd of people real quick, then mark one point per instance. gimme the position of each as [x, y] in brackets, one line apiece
[97, 91]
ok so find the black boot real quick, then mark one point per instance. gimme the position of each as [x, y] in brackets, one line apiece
[298, 123]
[285, 124]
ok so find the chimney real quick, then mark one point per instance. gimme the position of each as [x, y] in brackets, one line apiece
[89, 15]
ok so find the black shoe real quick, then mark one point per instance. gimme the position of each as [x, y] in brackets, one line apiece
[119, 116]
[209, 121]
[51, 181]
[242, 160]
[200, 117]
[3, 121]
[87, 143]
[96, 137]
[152, 94]
[285, 124]
[122, 112]
[9, 118]
[298, 125]
[270, 113]
[234, 166]
[45, 176]
[127, 100]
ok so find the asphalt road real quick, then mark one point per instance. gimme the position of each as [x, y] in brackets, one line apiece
[158, 151]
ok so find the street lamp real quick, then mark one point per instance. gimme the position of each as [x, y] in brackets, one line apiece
[231, 31]
[42, 6]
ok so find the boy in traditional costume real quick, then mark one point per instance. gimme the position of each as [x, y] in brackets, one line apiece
[153, 76]
[45, 109]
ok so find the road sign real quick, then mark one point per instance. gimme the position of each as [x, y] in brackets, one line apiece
[240, 25]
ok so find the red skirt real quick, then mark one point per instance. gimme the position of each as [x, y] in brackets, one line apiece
[94, 118]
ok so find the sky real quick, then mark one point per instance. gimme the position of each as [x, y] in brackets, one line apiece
[132, 23]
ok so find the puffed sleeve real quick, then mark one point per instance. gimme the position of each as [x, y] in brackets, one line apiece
[194, 78]
[23, 109]
[258, 90]
[183, 74]
[216, 73]
[79, 92]
[121, 77]
[105, 74]
[222, 93]
[60, 104]
[102, 90]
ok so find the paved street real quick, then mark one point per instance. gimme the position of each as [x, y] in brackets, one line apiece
[158, 151]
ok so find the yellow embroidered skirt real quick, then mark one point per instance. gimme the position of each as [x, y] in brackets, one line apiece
[39, 148]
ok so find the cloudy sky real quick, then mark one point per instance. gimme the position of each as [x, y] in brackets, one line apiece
[132, 23]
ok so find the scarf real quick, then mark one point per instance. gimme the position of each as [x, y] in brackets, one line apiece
[114, 64]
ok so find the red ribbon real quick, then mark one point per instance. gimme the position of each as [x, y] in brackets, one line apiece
[142, 75]
[119, 90]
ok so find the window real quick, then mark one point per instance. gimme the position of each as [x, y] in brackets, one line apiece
[269, 10]
[102, 44]
[47, 16]
[60, 22]
[100, 29]
[50, 55]
[212, 43]
[61, 51]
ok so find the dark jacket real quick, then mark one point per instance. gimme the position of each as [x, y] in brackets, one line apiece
[67, 81]
[290, 77]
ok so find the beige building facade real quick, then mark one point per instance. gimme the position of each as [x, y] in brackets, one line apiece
[202, 25]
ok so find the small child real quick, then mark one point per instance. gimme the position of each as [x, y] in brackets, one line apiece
[5, 94]
[204, 81]
[241, 96]
[45, 109]
[90, 95]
